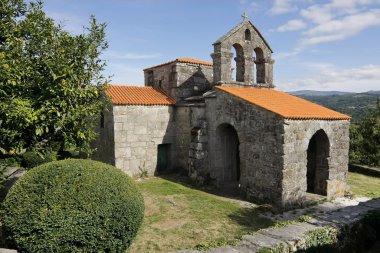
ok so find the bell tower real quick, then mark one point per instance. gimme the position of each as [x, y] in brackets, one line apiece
[252, 64]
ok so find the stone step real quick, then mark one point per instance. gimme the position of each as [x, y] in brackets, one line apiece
[293, 236]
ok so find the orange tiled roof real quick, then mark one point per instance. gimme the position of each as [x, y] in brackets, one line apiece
[284, 104]
[183, 60]
[134, 95]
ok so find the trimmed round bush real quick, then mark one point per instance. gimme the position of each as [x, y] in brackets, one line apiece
[73, 205]
[32, 159]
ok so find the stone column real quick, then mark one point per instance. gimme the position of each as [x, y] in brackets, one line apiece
[260, 71]
[264, 72]
[240, 68]
[269, 72]
[248, 74]
[221, 65]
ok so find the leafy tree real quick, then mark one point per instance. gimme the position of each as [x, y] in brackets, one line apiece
[51, 86]
[370, 130]
[365, 139]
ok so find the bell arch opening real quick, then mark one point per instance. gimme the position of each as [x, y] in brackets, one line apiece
[317, 174]
[237, 67]
[228, 155]
[259, 68]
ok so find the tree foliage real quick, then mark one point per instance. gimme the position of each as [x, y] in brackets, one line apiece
[365, 139]
[51, 86]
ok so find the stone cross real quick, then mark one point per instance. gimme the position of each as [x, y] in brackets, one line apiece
[244, 16]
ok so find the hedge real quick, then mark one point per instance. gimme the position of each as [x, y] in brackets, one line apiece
[73, 205]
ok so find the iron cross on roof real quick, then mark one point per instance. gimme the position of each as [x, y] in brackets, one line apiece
[244, 16]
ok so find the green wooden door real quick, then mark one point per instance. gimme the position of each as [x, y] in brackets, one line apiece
[162, 157]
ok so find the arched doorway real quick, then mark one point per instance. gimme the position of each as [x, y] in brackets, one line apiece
[318, 153]
[228, 145]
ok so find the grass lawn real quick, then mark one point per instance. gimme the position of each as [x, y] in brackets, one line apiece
[179, 217]
[363, 185]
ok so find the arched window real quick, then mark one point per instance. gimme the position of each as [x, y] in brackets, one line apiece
[239, 63]
[247, 35]
[260, 66]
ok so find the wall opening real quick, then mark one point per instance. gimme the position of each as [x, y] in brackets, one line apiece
[247, 35]
[259, 67]
[318, 153]
[229, 157]
[239, 69]
[101, 120]
[150, 78]
[163, 157]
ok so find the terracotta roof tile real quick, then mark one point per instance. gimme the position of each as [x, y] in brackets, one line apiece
[284, 104]
[183, 60]
[135, 95]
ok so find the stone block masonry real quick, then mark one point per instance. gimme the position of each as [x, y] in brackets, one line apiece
[137, 131]
[179, 79]
[297, 141]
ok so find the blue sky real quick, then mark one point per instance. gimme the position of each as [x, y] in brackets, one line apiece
[318, 45]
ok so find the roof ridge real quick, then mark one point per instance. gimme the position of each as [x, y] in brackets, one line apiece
[183, 60]
[125, 85]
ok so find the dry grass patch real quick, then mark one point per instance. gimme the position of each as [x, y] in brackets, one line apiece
[179, 217]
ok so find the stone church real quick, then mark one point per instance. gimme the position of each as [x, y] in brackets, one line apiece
[224, 124]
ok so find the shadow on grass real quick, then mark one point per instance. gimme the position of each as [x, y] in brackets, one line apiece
[211, 189]
[185, 181]
[250, 218]
[364, 170]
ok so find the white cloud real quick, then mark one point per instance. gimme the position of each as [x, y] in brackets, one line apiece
[348, 26]
[332, 21]
[321, 13]
[282, 6]
[130, 56]
[359, 79]
[292, 25]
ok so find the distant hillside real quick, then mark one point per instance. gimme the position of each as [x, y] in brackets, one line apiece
[357, 105]
[318, 93]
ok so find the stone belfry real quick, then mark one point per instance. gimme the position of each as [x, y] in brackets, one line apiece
[253, 63]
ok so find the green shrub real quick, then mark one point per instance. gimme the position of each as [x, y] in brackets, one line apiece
[11, 161]
[32, 159]
[73, 205]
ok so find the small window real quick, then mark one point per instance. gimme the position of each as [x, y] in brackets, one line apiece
[101, 120]
[160, 83]
[247, 35]
[150, 78]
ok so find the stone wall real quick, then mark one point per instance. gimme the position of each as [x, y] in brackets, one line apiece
[180, 80]
[105, 143]
[297, 135]
[138, 130]
[191, 137]
[260, 134]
